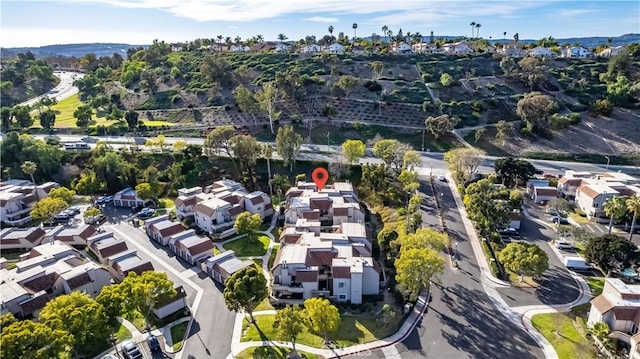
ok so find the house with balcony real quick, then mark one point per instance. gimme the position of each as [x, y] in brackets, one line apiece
[186, 202]
[335, 264]
[310, 49]
[334, 48]
[223, 266]
[105, 245]
[73, 236]
[512, 50]
[569, 183]
[457, 48]
[576, 52]
[541, 52]
[619, 307]
[47, 271]
[191, 247]
[611, 51]
[335, 204]
[402, 48]
[239, 48]
[21, 238]
[590, 198]
[160, 229]
[258, 202]
[16, 199]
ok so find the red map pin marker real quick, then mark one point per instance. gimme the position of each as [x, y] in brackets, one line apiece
[320, 177]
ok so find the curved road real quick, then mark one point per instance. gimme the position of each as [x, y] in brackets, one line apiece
[63, 90]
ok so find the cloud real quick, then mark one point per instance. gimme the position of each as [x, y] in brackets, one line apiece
[233, 27]
[322, 19]
[251, 10]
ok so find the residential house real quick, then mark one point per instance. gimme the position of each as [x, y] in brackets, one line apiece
[541, 52]
[619, 307]
[533, 183]
[73, 236]
[544, 194]
[512, 51]
[282, 47]
[127, 198]
[569, 183]
[191, 247]
[47, 271]
[457, 48]
[16, 199]
[216, 217]
[171, 305]
[424, 48]
[311, 49]
[176, 47]
[333, 265]
[21, 238]
[358, 50]
[258, 202]
[335, 204]
[610, 51]
[160, 229]
[576, 52]
[240, 48]
[334, 48]
[116, 255]
[223, 266]
[263, 46]
[186, 202]
[401, 48]
[595, 191]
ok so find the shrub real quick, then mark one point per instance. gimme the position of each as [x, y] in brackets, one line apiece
[301, 177]
[446, 80]
[602, 107]
[525, 132]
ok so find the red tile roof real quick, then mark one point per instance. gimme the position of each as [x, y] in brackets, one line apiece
[588, 191]
[256, 200]
[546, 191]
[341, 211]
[602, 304]
[42, 282]
[114, 249]
[78, 281]
[341, 272]
[34, 304]
[318, 258]
[624, 313]
[290, 238]
[322, 204]
[311, 215]
[202, 247]
[306, 276]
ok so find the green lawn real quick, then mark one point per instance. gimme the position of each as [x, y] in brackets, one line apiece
[136, 319]
[264, 305]
[352, 331]
[216, 250]
[123, 333]
[258, 263]
[566, 334]
[596, 284]
[272, 255]
[156, 123]
[244, 247]
[177, 334]
[64, 113]
[272, 353]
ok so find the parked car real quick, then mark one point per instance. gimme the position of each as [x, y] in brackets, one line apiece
[64, 216]
[104, 200]
[153, 342]
[560, 219]
[564, 245]
[137, 208]
[74, 210]
[146, 213]
[508, 231]
[130, 350]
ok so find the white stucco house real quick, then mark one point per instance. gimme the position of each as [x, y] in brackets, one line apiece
[611, 51]
[457, 48]
[541, 52]
[239, 48]
[310, 49]
[191, 247]
[21, 238]
[576, 52]
[17, 197]
[127, 198]
[335, 204]
[402, 48]
[334, 48]
[223, 266]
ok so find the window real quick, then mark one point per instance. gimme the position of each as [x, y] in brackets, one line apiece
[342, 296]
[341, 285]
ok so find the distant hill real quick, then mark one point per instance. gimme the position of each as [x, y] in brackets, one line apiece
[70, 50]
[79, 50]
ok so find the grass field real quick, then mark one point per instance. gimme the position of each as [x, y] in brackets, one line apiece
[596, 284]
[244, 247]
[272, 353]
[264, 305]
[566, 333]
[123, 333]
[64, 113]
[177, 334]
[352, 330]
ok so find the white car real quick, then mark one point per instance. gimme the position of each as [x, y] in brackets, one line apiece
[564, 245]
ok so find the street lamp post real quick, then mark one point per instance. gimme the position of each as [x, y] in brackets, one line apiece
[113, 341]
[456, 256]
[328, 134]
[430, 169]
[423, 140]
[606, 168]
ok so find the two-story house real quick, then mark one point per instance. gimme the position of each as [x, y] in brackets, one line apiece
[17, 197]
[73, 236]
[335, 204]
[186, 202]
[576, 52]
[191, 247]
[160, 229]
[116, 255]
[569, 183]
[21, 238]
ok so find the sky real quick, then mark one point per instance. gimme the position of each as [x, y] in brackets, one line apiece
[48, 22]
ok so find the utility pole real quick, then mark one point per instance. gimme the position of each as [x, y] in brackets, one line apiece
[423, 140]
[328, 145]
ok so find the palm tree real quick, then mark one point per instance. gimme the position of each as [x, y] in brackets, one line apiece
[390, 32]
[259, 38]
[504, 36]
[473, 24]
[220, 37]
[237, 40]
[516, 38]
[282, 37]
[385, 29]
[30, 168]
[417, 38]
[478, 30]
[267, 152]
[615, 207]
[633, 205]
[330, 33]
[354, 27]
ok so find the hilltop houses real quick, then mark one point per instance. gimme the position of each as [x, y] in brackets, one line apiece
[576, 52]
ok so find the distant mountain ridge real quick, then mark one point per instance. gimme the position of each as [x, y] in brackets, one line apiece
[108, 49]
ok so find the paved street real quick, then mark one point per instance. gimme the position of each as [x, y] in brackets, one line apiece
[63, 90]
[210, 335]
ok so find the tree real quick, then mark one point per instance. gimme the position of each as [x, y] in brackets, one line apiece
[79, 315]
[113, 300]
[409, 181]
[440, 125]
[534, 109]
[34, 340]
[415, 267]
[508, 65]
[376, 68]
[145, 291]
[464, 161]
[289, 323]
[411, 159]
[486, 205]
[288, 144]
[47, 119]
[45, 209]
[391, 152]
[615, 207]
[267, 153]
[88, 183]
[446, 80]
[63, 193]
[611, 252]
[425, 238]
[267, 98]
[354, 27]
[83, 116]
[248, 224]
[246, 101]
[282, 38]
[478, 30]
[244, 290]
[131, 117]
[22, 116]
[524, 259]
[619, 91]
[347, 83]
[30, 168]
[516, 199]
[321, 316]
[473, 24]
[219, 139]
[179, 146]
[510, 170]
[246, 150]
[633, 205]
[217, 69]
[7, 122]
[477, 134]
[504, 131]
[353, 150]
[145, 191]
[387, 314]
[92, 212]
[149, 80]
[533, 71]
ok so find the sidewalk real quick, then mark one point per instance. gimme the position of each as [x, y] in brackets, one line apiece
[405, 329]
